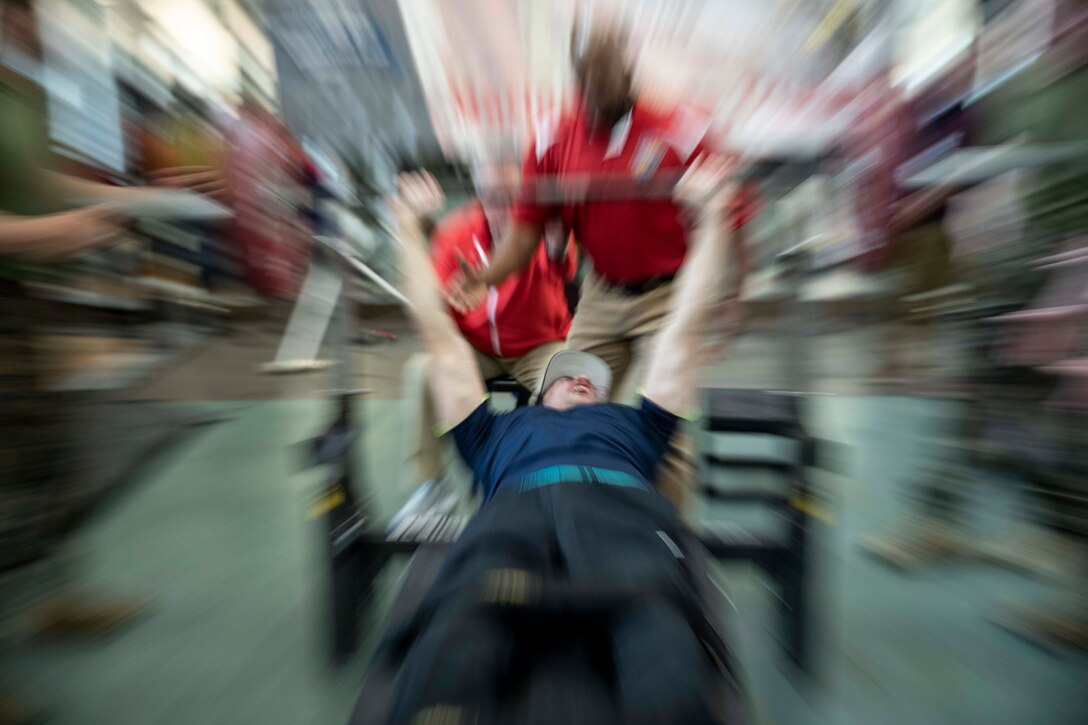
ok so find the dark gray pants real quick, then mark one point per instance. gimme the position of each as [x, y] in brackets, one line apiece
[570, 603]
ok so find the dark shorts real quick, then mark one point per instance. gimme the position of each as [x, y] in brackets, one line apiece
[568, 603]
[38, 464]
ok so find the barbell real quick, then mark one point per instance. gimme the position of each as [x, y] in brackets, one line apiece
[591, 186]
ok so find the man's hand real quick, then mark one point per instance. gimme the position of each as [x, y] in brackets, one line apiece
[56, 236]
[706, 188]
[467, 290]
[418, 197]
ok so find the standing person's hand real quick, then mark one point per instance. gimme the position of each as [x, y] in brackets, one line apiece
[64, 234]
[466, 290]
[207, 180]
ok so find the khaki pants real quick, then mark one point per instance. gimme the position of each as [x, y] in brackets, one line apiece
[619, 328]
[426, 457]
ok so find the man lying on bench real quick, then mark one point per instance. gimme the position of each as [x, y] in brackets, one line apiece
[574, 564]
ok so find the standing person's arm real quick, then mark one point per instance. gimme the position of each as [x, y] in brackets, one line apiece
[200, 179]
[54, 236]
[468, 289]
[676, 353]
[455, 379]
[514, 253]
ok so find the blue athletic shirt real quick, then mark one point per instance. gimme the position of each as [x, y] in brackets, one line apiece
[503, 449]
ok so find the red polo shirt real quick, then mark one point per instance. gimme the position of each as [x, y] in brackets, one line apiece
[637, 239]
[527, 310]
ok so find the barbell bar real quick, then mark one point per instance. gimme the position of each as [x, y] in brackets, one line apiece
[595, 186]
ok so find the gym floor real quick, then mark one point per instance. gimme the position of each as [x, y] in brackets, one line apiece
[216, 535]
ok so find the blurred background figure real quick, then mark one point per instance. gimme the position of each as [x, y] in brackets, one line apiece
[1013, 317]
[270, 177]
[47, 482]
[39, 229]
[1033, 419]
[917, 254]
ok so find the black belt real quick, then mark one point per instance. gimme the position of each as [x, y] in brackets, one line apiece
[641, 287]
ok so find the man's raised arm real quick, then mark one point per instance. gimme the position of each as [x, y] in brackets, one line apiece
[677, 349]
[454, 377]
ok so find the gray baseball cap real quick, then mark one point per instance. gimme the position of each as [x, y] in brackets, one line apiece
[572, 363]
